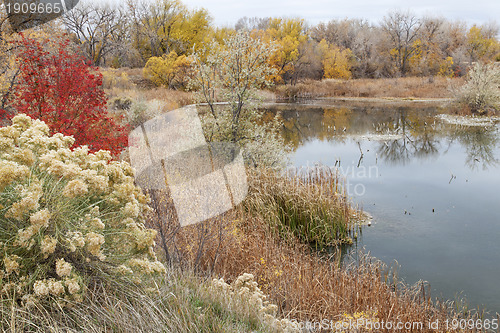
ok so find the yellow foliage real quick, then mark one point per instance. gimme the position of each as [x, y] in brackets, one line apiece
[426, 59]
[336, 62]
[418, 55]
[192, 29]
[168, 70]
[446, 67]
[288, 35]
[219, 35]
[479, 46]
[162, 26]
[216, 37]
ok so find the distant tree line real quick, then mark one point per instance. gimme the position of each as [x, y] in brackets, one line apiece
[401, 44]
[162, 36]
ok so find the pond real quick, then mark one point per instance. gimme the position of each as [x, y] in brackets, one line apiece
[431, 185]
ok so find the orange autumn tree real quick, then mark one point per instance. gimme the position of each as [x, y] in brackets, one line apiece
[59, 87]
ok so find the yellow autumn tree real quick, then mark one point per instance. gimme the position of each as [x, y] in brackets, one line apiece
[191, 30]
[446, 67]
[169, 70]
[426, 59]
[289, 35]
[336, 62]
[162, 26]
[479, 46]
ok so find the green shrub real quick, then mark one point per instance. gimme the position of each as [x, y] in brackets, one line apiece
[67, 218]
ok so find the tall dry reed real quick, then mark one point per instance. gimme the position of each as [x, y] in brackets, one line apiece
[310, 204]
[408, 87]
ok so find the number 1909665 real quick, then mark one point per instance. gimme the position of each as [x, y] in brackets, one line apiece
[34, 8]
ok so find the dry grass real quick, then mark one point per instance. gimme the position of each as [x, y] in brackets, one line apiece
[408, 87]
[306, 286]
[177, 302]
[303, 284]
[126, 83]
[124, 78]
[174, 98]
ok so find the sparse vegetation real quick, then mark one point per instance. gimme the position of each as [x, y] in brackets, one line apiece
[175, 302]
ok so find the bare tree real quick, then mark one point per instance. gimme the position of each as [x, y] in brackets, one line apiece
[99, 28]
[357, 35]
[252, 23]
[340, 32]
[402, 30]
[153, 24]
[431, 31]
[364, 50]
[490, 29]
[430, 46]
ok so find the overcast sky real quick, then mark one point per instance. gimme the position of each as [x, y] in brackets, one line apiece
[227, 12]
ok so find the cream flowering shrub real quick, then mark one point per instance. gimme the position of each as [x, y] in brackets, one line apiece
[245, 295]
[67, 217]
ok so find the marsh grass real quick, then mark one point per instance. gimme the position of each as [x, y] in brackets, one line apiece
[312, 205]
[408, 87]
[269, 236]
[305, 285]
[311, 287]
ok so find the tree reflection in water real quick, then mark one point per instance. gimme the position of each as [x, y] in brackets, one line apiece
[402, 134]
[479, 143]
[418, 138]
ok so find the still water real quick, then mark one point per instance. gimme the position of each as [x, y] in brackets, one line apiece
[431, 185]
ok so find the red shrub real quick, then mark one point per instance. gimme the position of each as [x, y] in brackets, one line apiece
[59, 87]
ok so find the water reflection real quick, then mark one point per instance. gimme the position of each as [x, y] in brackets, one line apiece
[439, 229]
[403, 134]
[479, 144]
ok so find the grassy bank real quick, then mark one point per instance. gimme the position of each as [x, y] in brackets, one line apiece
[180, 301]
[305, 285]
[407, 87]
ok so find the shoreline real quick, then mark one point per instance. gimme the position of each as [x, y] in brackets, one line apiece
[393, 101]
